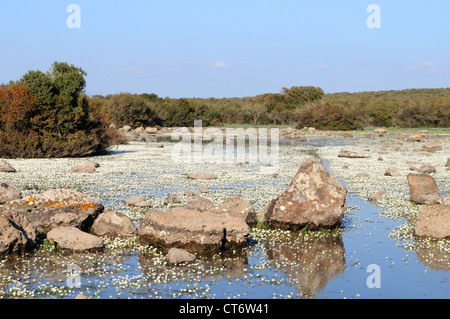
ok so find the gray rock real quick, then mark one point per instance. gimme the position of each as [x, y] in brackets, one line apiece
[172, 199]
[138, 201]
[17, 234]
[377, 196]
[237, 207]
[314, 198]
[392, 172]
[423, 189]
[349, 154]
[179, 256]
[87, 168]
[432, 147]
[201, 176]
[199, 203]
[9, 192]
[433, 221]
[72, 238]
[113, 224]
[5, 167]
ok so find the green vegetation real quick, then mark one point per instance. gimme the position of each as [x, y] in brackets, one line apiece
[297, 106]
[49, 115]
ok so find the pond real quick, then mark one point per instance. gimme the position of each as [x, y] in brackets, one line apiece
[371, 256]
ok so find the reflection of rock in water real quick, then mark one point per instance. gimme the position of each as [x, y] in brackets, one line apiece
[432, 257]
[310, 264]
[210, 267]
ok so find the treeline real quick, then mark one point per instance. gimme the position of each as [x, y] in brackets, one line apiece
[49, 115]
[296, 106]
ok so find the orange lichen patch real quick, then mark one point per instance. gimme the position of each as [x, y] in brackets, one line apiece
[30, 199]
[83, 206]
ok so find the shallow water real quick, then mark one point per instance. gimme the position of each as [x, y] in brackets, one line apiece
[275, 264]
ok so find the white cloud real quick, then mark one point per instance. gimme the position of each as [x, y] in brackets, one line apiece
[427, 66]
[221, 65]
[323, 67]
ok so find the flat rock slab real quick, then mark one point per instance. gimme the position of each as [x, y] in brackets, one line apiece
[236, 207]
[72, 238]
[201, 176]
[57, 208]
[193, 230]
[349, 154]
[179, 256]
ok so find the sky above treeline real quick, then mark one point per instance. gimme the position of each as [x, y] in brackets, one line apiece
[208, 48]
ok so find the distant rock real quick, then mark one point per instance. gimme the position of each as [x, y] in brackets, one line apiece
[432, 147]
[380, 131]
[189, 193]
[179, 256]
[201, 176]
[448, 163]
[205, 190]
[151, 130]
[138, 201]
[361, 175]
[314, 198]
[5, 167]
[392, 172]
[72, 238]
[199, 203]
[433, 221]
[113, 224]
[427, 169]
[423, 189]
[17, 235]
[87, 168]
[377, 196]
[80, 296]
[9, 192]
[172, 199]
[349, 154]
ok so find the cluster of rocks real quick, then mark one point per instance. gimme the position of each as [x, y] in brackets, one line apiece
[76, 222]
[434, 220]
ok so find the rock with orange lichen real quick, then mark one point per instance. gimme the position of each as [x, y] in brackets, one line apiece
[57, 208]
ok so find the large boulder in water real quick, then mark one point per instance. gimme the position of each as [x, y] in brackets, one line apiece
[314, 198]
[193, 230]
[423, 189]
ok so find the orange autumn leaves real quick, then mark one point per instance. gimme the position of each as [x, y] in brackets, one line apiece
[16, 106]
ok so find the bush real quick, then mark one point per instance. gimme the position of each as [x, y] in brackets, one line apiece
[330, 116]
[133, 110]
[47, 115]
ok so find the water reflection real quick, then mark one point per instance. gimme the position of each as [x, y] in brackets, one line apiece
[310, 264]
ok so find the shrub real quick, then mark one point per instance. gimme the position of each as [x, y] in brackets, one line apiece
[47, 115]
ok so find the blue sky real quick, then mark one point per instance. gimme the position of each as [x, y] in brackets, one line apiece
[231, 48]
